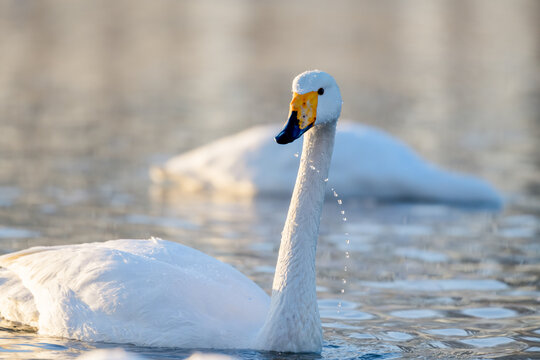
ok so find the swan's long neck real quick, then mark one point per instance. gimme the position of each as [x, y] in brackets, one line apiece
[293, 322]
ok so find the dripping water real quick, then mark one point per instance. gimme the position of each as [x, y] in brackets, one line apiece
[347, 243]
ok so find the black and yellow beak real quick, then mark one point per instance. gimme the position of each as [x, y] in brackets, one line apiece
[302, 116]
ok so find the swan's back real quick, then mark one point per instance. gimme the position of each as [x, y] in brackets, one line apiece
[147, 292]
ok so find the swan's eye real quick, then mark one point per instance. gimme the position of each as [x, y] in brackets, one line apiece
[320, 91]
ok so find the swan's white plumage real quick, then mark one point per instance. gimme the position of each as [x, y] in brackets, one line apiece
[154, 292]
[367, 162]
[147, 292]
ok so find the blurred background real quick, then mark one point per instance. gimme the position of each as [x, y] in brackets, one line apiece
[458, 80]
[94, 92]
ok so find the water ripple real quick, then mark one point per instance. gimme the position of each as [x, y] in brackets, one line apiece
[438, 285]
[448, 332]
[488, 341]
[489, 313]
[416, 314]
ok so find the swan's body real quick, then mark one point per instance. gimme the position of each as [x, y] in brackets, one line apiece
[147, 292]
[367, 163]
[154, 292]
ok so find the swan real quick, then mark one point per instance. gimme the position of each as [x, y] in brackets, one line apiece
[160, 293]
[368, 163]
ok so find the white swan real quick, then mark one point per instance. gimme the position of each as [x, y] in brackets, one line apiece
[154, 292]
[367, 163]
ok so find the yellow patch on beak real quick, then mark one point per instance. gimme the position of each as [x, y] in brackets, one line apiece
[305, 106]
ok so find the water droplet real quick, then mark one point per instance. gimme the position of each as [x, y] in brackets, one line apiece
[340, 202]
[326, 180]
[343, 291]
[296, 155]
[347, 255]
[344, 281]
[344, 219]
[335, 193]
[342, 212]
[312, 167]
[347, 241]
[345, 268]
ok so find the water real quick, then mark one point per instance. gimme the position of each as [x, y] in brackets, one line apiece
[92, 94]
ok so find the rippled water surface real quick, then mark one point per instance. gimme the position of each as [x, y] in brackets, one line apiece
[93, 93]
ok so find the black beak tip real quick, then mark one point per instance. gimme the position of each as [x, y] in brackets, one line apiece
[282, 138]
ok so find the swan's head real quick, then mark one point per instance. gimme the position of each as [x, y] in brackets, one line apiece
[316, 100]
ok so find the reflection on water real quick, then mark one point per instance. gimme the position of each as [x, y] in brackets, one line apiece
[92, 93]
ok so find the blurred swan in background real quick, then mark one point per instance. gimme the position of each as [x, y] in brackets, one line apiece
[160, 293]
[367, 163]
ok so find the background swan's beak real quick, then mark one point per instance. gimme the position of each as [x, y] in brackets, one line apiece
[302, 116]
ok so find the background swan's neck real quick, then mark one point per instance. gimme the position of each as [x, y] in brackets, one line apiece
[293, 322]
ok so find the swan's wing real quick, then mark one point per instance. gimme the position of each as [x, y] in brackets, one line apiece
[16, 301]
[148, 292]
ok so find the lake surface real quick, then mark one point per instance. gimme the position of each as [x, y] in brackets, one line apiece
[93, 93]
